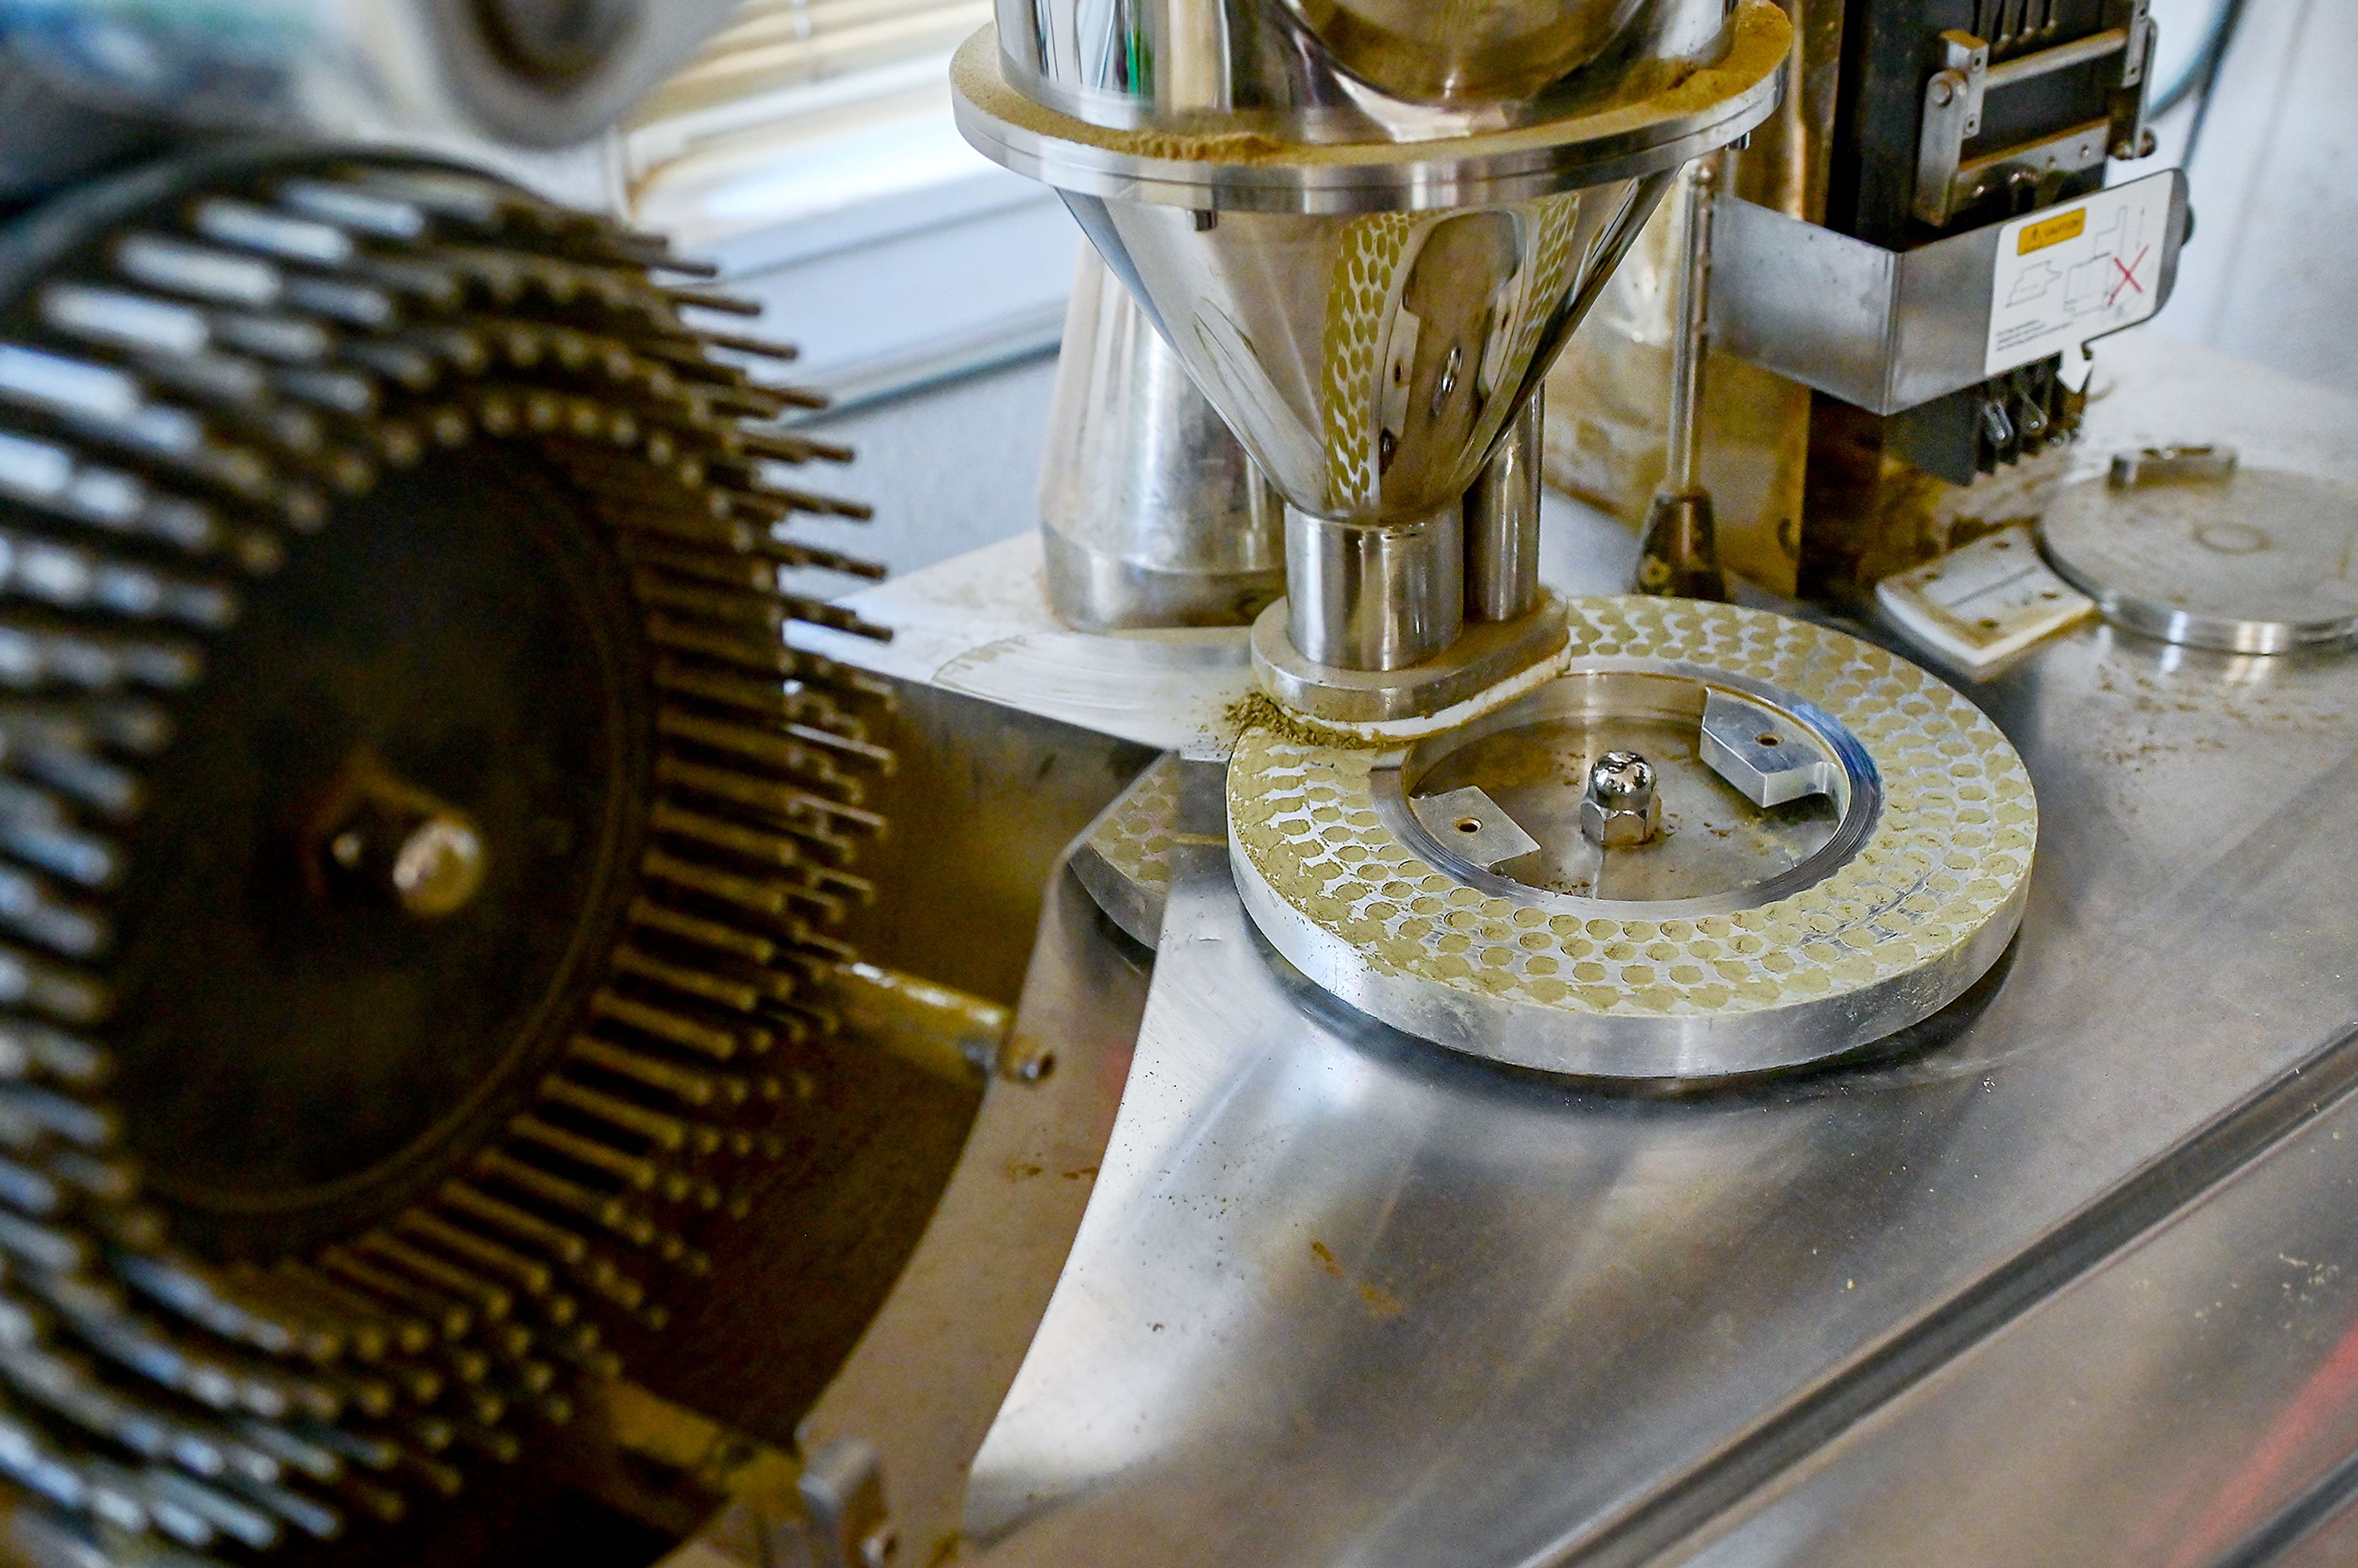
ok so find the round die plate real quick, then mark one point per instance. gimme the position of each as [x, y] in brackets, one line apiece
[1910, 901]
[2259, 561]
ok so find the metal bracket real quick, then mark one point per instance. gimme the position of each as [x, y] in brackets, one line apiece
[1886, 330]
[1767, 757]
[2171, 465]
[1947, 181]
[2132, 137]
[842, 1491]
[1473, 827]
[1953, 116]
[2079, 148]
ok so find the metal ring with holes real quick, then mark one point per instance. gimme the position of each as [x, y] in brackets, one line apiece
[1914, 903]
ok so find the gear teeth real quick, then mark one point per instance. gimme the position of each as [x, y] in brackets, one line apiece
[468, 1205]
[532, 1183]
[30, 1049]
[113, 406]
[532, 1278]
[792, 448]
[68, 578]
[50, 990]
[488, 1302]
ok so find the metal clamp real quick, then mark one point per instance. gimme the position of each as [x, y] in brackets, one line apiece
[1473, 827]
[1768, 759]
[2171, 465]
[843, 1491]
[1947, 181]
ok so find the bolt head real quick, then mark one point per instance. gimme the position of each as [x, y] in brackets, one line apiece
[1031, 1066]
[437, 868]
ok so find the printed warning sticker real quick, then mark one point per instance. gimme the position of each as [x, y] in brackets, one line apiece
[2067, 275]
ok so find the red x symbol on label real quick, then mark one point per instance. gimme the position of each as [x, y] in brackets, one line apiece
[2128, 275]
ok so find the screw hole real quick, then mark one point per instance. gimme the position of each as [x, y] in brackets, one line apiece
[1470, 824]
[1769, 740]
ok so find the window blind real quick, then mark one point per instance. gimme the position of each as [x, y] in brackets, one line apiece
[786, 66]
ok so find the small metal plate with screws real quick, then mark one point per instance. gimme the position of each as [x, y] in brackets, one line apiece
[1471, 826]
[1769, 760]
[2170, 465]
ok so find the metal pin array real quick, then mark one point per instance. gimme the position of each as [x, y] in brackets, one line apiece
[2006, 24]
[182, 403]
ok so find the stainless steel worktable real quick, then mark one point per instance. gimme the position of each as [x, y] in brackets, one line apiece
[2068, 1277]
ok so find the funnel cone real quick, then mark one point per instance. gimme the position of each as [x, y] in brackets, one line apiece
[1370, 361]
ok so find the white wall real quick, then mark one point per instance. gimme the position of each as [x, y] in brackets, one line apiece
[2272, 273]
[949, 468]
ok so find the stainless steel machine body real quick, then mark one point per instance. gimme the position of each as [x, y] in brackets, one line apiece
[1342, 1296]
[1356, 1303]
[1365, 234]
[1151, 513]
[1353, 1284]
[1267, 1243]
[532, 73]
[2051, 1274]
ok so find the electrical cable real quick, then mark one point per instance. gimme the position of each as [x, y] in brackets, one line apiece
[2200, 79]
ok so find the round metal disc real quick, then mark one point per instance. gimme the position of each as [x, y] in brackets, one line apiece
[2257, 562]
[1839, 923]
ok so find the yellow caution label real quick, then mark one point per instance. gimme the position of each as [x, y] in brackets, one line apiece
[2053, 232]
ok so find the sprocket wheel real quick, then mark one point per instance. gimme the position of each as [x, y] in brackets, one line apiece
[417, 839]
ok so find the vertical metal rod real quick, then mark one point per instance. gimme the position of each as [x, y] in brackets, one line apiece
[1502, 524]
[1679, 553]
[1697, 194]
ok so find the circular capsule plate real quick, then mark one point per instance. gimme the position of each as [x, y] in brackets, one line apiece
[2257, 562]
[1923, 895]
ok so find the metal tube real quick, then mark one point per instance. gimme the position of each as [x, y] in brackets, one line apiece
[2063, 57]
[1502, 524]
[1374, 598]
[1152, 513]
[1697, 192]
[1677, 555]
